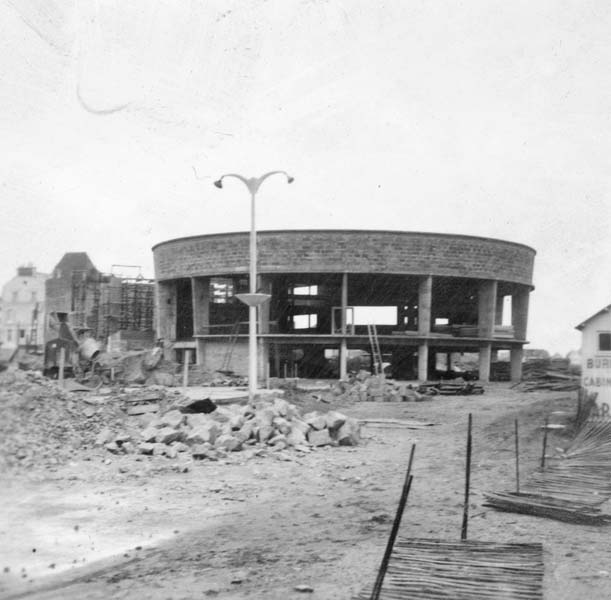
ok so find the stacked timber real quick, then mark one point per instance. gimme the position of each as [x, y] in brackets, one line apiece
[539, 375]
[453, 388]
[547, 506]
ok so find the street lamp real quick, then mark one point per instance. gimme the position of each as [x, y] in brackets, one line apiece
[252, 299]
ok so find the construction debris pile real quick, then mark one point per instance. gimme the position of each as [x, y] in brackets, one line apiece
[541, 375]
[364, 387]
[43, 425]
[147, 367]
[271, 424]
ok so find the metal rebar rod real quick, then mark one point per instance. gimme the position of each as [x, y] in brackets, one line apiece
[465, 514]
[375, 594]
[544, 444]
[517, 458]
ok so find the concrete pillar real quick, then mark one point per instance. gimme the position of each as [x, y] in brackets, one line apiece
[485, 351]
[500, 303]
[166, 310]
[516, 356]
[425, 300]
[200, 289]
[423, 362]
[486, 307]
[265, 287]
[343, 348]
[519, 312]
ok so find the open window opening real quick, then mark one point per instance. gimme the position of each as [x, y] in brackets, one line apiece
[304, 290]
[305, 321]
[376, 315]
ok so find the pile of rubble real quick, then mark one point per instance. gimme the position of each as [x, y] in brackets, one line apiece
[43, 425]
[364, 387]
[275, 424]
[146, 367]
[149, 367]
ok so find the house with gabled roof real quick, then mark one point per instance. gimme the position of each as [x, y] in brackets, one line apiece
[596, 357]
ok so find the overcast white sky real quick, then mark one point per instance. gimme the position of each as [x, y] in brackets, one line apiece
[481, 117]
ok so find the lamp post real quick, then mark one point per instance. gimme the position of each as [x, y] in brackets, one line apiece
[252, 299]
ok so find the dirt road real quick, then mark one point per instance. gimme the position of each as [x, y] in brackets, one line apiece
[258, 528]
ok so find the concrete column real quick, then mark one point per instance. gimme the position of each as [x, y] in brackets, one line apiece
[516, 356]
[485, 351]
[423, 362]
[166, 310]
[519, 312]
[425, 300]
[500, 303]
[343, 348]
[265, 287]
[200, 289]
[486, 308]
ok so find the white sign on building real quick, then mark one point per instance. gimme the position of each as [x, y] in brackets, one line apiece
[596, 358]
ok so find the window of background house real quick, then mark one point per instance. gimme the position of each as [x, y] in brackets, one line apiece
[604, 342]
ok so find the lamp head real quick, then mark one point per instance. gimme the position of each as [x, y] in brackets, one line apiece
[219, 183]
[290, 179]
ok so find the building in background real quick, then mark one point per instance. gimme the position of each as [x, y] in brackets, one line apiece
[22, 310]
[596, 358]
[117, 311]
[433, 297]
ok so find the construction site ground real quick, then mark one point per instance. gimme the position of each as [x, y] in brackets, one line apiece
[106, 526]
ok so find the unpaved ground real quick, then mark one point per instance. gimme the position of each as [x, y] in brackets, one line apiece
[257, 528]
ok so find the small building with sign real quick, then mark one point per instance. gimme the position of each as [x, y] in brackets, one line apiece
[596, 357]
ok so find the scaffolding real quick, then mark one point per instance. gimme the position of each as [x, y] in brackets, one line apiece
[137, 304]
[106, 304]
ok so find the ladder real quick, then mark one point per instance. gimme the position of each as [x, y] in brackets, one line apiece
[372, 332]
[229, 353]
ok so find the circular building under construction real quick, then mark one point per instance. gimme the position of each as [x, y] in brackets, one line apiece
[426, 299]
